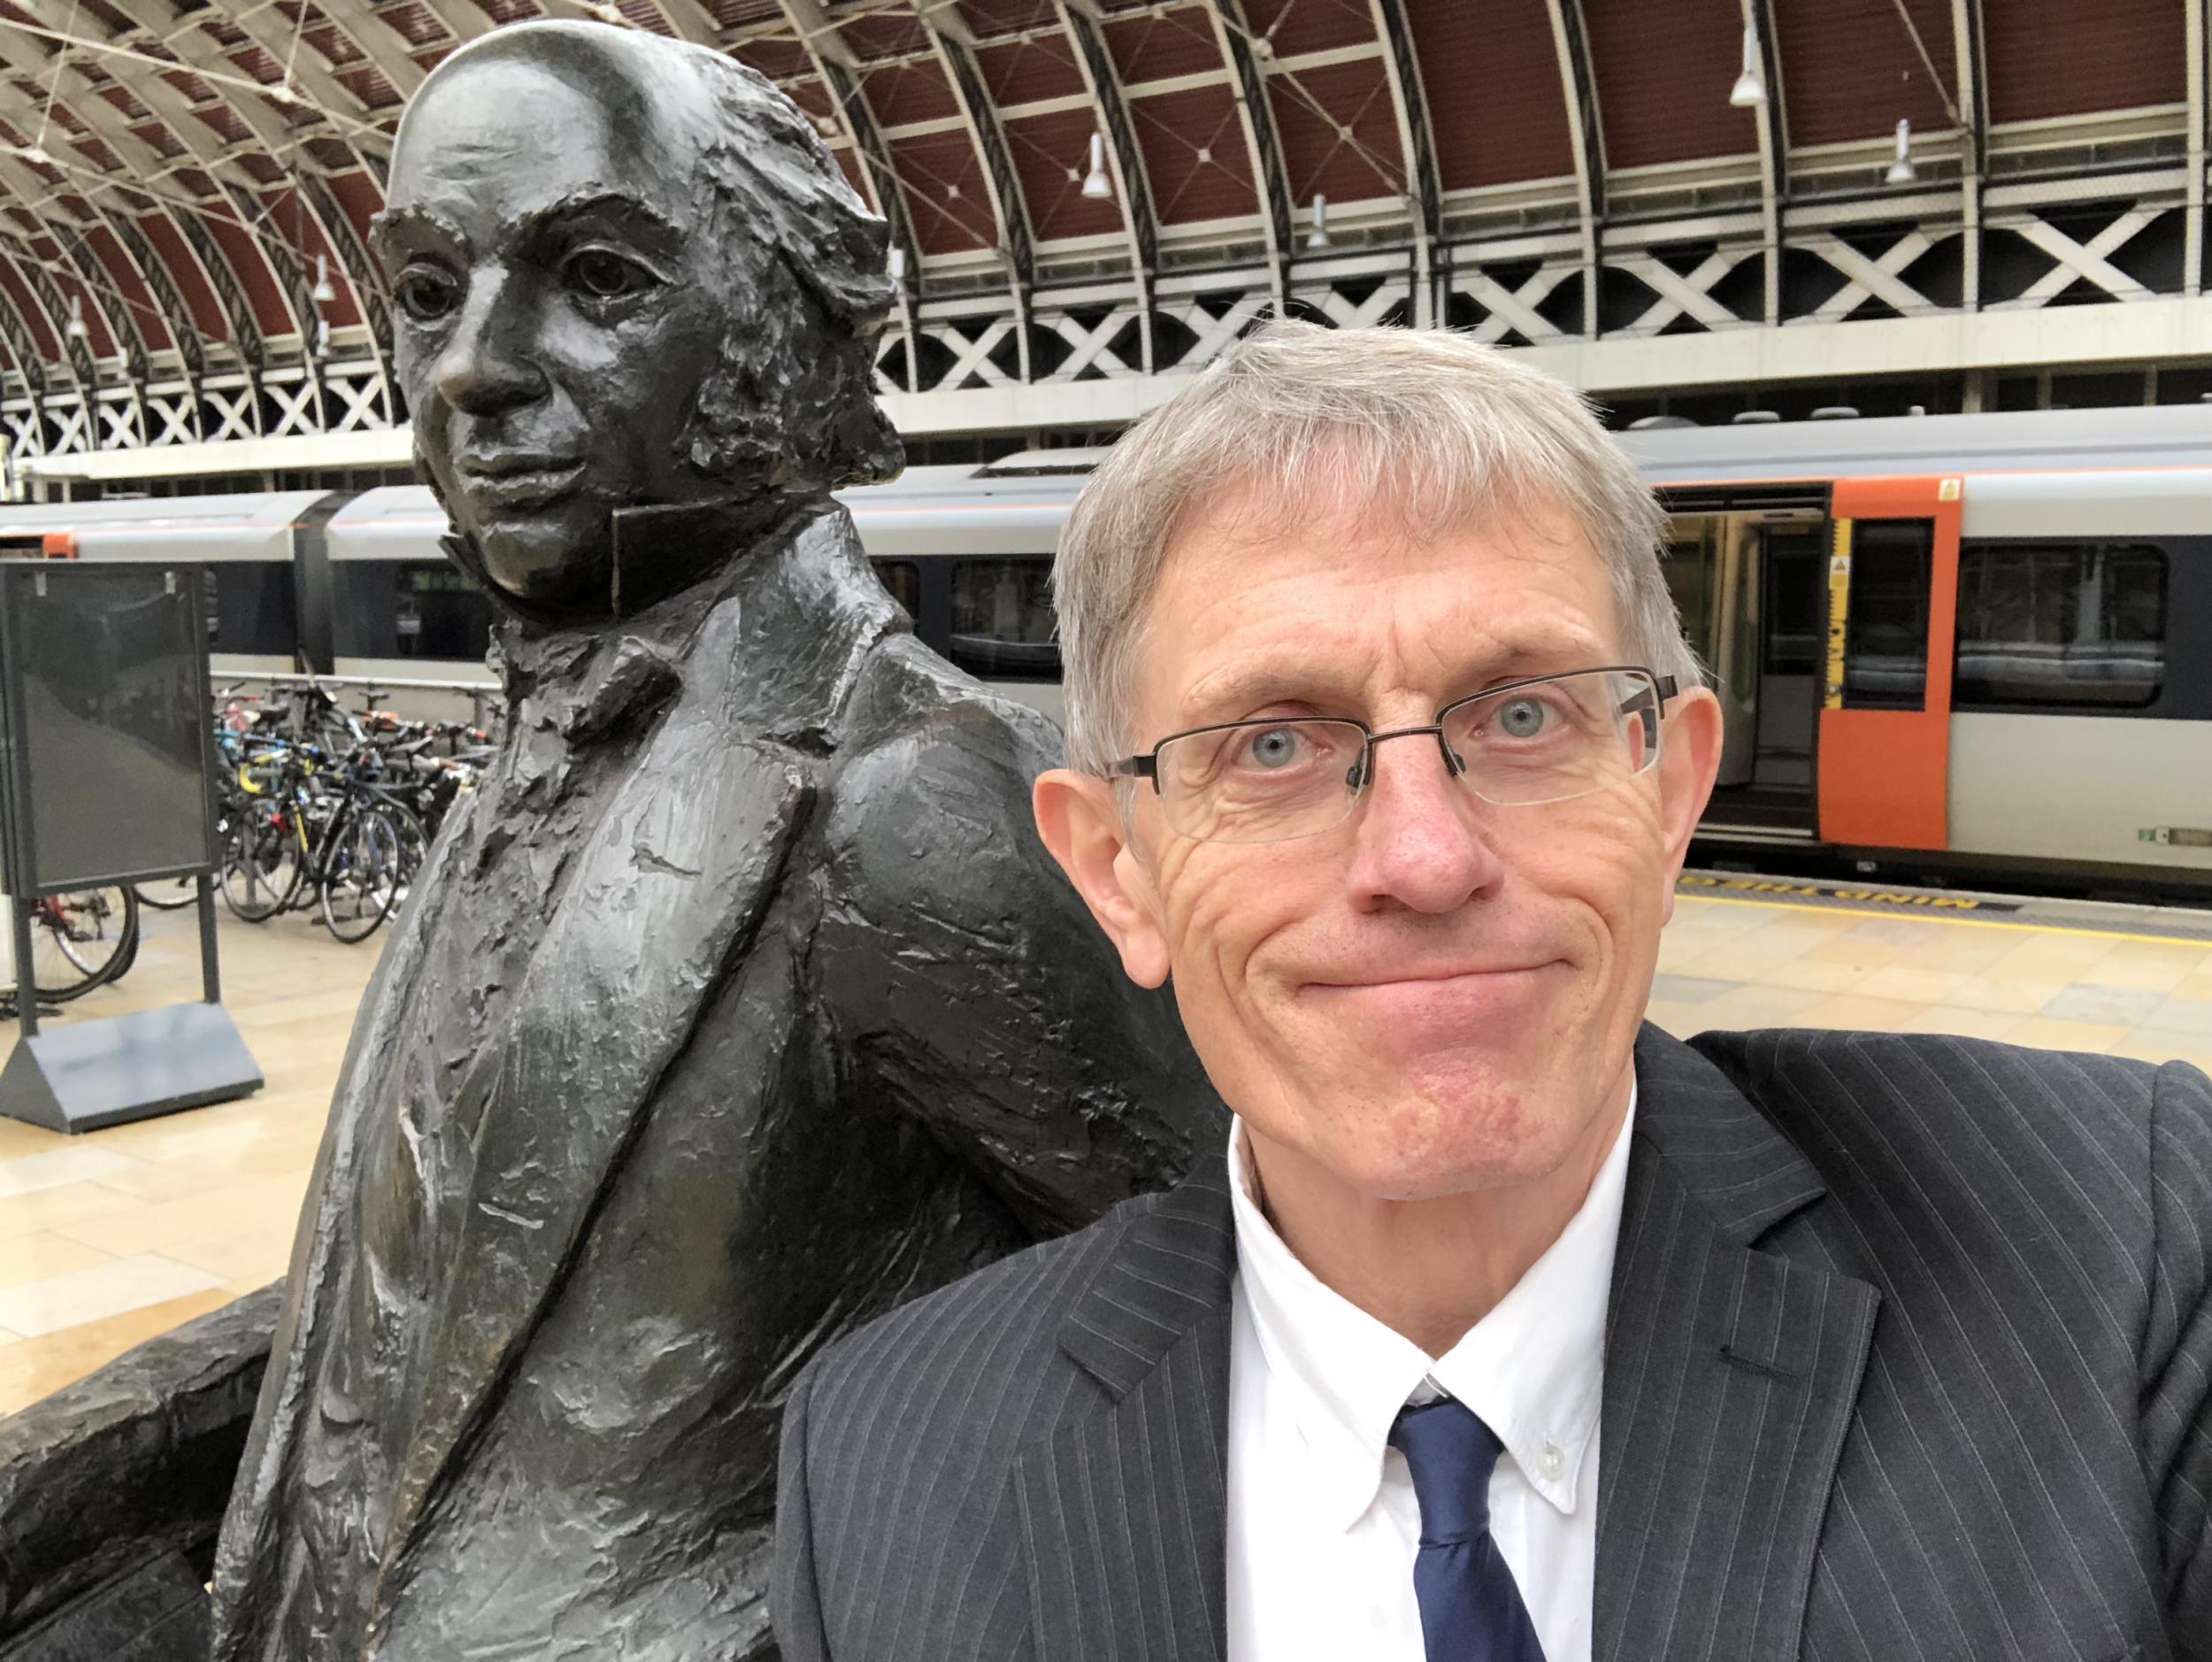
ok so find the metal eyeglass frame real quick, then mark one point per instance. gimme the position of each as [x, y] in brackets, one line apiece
[1664, 689]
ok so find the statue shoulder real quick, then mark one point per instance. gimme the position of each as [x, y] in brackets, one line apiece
[912, 712]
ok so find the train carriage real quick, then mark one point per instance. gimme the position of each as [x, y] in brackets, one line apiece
[1976, 645]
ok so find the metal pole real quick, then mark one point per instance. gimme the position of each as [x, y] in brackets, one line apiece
[211, 975]
[25, 975]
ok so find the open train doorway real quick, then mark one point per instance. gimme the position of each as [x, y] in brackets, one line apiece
[1747, 569]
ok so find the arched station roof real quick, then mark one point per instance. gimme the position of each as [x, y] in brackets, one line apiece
[178, 178]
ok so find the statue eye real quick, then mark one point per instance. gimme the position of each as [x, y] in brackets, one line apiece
[426, 293]
[601, 275]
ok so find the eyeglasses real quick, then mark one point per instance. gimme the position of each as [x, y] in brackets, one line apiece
[1545, 740]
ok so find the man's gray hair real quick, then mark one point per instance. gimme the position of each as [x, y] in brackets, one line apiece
[1426, 430]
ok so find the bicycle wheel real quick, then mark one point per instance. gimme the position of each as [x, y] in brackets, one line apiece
[171, 894]
[261, 861]
[81, 940]
[361, 884]
[414, 847]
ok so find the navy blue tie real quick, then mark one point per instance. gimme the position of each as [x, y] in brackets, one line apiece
[1470, 1607]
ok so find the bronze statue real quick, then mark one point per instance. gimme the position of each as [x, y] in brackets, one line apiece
[740, 1002]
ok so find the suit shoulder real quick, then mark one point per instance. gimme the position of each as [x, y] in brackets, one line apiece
[969, 1356]
[1984, 1144]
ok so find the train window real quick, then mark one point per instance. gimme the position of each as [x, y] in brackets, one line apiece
[420, 609]
[253, 609]
[1796, 601]
[1002, 624]
[442, 614]
[1885, 638]
[903, 579]
[2079, 626]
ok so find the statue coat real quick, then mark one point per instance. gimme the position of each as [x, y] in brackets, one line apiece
[738, 1005]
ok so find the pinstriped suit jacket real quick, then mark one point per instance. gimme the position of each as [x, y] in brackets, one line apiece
[1910, 1355]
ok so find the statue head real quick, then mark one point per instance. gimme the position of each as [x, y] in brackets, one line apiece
[627, 276]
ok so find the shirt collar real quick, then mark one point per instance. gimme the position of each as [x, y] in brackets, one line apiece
[1533, 1368]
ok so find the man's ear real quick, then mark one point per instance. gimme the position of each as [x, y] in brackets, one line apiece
[1687, 768]
[1081, 825]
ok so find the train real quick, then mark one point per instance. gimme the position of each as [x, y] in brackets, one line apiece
[1959, 647]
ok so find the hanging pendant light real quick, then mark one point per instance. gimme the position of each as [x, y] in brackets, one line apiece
[898, 263]
[1318, 236]
[75, 328]
[322, 294]
[1096, 185]
[1750, 90]
[1901, 171]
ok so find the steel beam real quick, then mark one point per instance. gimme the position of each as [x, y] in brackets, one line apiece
[1973, 114]
[2193, 241]
[1774, 154]
[1416, 138]
[1570, 42]
[1261, 141]
[956, 51]
[1133, 185]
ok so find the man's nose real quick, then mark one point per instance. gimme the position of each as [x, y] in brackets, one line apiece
[1420, 838]
[489, 363]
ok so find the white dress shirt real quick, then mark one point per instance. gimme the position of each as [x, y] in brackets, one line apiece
[1323, 1525]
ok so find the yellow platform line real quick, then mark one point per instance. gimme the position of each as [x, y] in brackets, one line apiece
[1949, 917]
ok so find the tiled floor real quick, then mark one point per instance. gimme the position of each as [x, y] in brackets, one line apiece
[108, 1239]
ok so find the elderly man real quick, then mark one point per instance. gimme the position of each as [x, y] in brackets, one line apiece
[738, 1003]
[1510, 1329]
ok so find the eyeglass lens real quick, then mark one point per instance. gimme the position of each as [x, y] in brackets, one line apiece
[1550, 740]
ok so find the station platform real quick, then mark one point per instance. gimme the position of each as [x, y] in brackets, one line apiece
[112, 1237]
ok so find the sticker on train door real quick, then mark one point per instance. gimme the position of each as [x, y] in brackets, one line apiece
[1839, 611]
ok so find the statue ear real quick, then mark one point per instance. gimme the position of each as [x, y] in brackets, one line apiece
[1081, 824]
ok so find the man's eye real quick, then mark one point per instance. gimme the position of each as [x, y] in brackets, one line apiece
[1523, 718]
[601, 275]
[425, 294]
[1277, 748]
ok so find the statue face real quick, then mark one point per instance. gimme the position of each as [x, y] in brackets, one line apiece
[560, 298]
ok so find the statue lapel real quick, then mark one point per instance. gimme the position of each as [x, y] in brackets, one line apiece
[671, 883]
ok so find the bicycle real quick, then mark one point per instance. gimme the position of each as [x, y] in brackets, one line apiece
[81, 940]
[298, 833]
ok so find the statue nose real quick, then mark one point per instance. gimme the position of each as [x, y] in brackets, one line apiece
[489, 363]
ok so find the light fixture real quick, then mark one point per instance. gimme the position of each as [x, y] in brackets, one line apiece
[322, 337]
[33, 153]
[1318, 237]
[75, 328]
[1901, 171]
[322, 294]
[1096, 186]
[1750, 90]
[898, 263]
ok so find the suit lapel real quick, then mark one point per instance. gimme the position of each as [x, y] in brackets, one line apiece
[1123, 1508]
[1730, 1375]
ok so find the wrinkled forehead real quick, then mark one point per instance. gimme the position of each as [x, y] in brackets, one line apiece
[1298, 591]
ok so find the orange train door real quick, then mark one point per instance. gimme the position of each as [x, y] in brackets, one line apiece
[1885, 718]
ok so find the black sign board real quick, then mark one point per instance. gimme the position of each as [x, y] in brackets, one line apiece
[106, 727]
[106, 750]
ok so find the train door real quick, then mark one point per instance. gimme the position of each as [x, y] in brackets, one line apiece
[1745, 571]
[1886, 704]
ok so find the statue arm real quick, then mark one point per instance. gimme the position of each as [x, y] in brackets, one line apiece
[970, 988]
